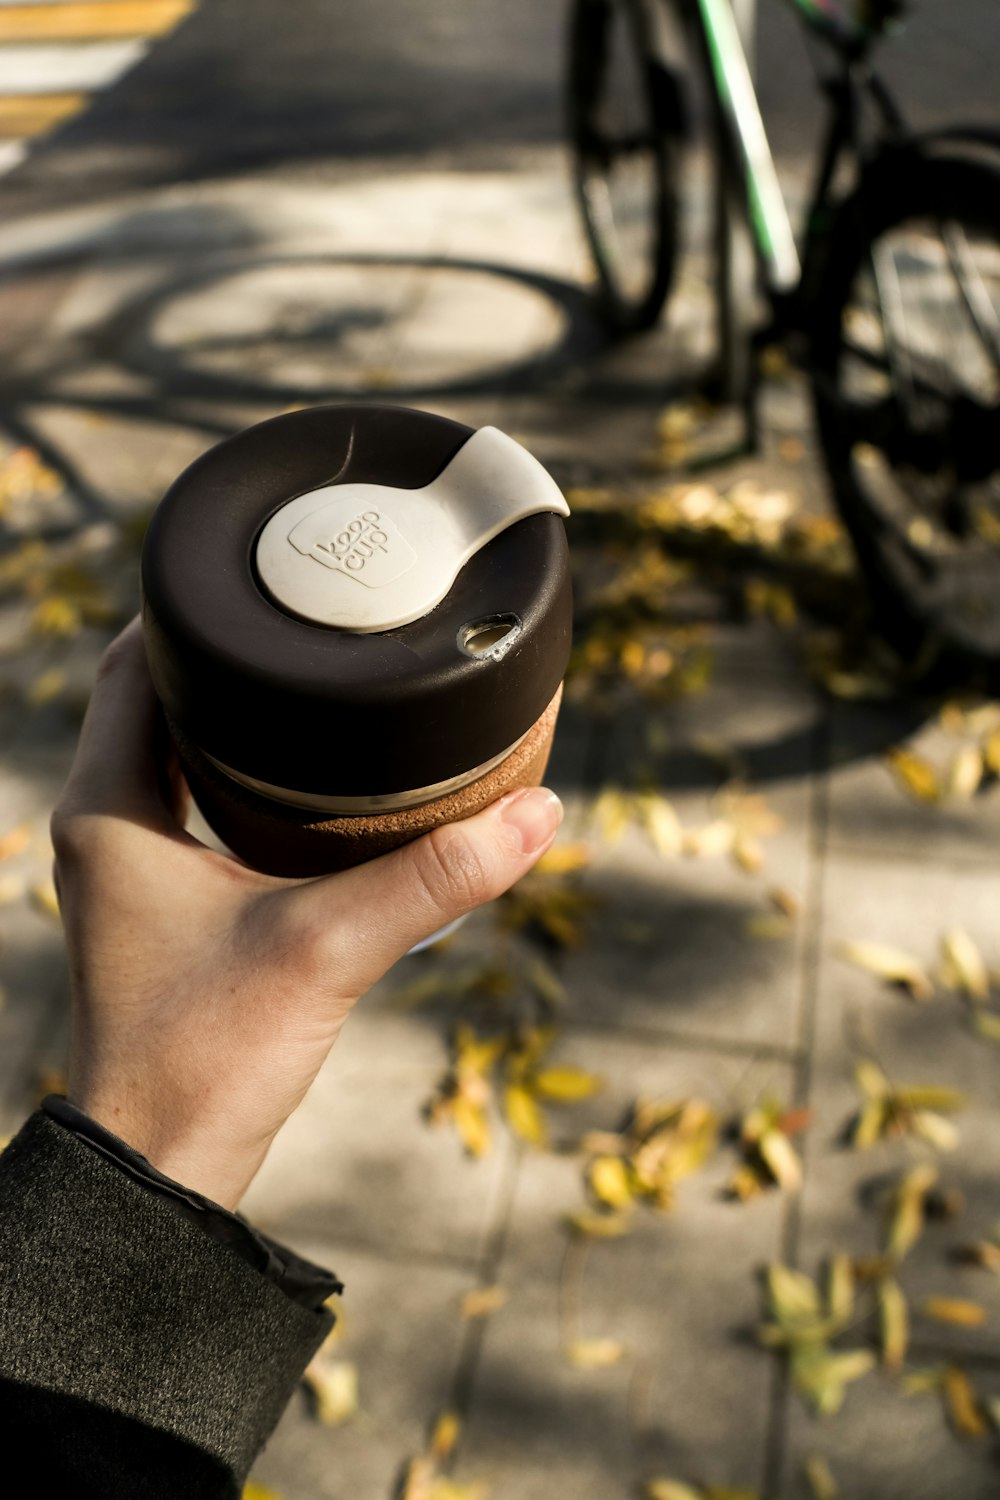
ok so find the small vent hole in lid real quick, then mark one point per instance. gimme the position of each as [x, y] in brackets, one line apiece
[491, 637]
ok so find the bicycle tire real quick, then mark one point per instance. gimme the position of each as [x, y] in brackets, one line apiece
[935, 593]
[623, 308]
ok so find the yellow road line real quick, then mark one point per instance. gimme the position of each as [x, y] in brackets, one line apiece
[80, 20]
[31, 114]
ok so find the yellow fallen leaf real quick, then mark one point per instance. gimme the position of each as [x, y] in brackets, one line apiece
[916, 775]
[942, 1134]
[820, 1478]
[524, 1116]
[483, 1301]
[893, 1323]
[781, 1158]
[334, 1388]
[595, 1354]
[662, 824]
[793, 1295]
[591, 1226]
[924, 1381]
[564, 859]
[12, 888]
[771, 924]
[253, 1491]
[710, 839]
[890, 964]
[612, 813]
[445, 1435]
[610, 1181]
[965, 773]
[473, 1126]
[447, 1489]
[784, 901]
[956, 1310]
[991, 753]
[962, 1403]
[963, 968]
[907, 1221]
[840, 1288]
[566, 1085]
[57, 616]
[670, 1489]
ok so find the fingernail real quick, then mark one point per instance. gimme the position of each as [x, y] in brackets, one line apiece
[534, 815]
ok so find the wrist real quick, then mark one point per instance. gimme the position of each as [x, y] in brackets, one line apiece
[191, 1154]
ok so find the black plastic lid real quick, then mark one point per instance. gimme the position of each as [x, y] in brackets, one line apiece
[322, 710]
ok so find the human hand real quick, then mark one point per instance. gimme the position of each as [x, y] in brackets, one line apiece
[206, 995]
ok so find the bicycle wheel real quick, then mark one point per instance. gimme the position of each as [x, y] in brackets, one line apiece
[625, 125]
[906, 383]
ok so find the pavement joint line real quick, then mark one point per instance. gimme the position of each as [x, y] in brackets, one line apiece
[686, 1041]
[470, 1349]
[809, 970]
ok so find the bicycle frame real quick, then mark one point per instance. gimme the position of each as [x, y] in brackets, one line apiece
[745, 138]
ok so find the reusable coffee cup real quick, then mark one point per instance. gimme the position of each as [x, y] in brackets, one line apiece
[357, 620]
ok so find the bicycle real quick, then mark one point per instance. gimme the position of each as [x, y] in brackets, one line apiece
[894, 296]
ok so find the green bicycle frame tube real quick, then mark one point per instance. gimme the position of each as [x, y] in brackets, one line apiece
[734, 86]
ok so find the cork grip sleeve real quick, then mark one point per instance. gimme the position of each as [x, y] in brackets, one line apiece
[283, 840]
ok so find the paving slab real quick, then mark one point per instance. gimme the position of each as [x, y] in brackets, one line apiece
[690, 1397]
[401, 1328]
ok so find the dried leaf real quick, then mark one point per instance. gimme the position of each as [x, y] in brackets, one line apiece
[334, 1388]
[963, 1404]
[915, 774]
[890, 964]
[784, 901]
[610, 1181]
[15, 842]
[564, 859]
[893, 1323]
[254, 1491]
[782, 1161]
[612, 813]
[942, 1134]
[472, 1124]
[524, 1116]
[483, 1301]
[871, 1080]
[963, 968]
[840, 1289]
[965, 773]
[991, 753]
[595, 1354]
[822, 1375]
[445, 1435]
[670, 1489]
[955, 1310]
[923, 1382]
[710, 840]
[590, 1226]
[820, 1478]
[566, 1085]
[907, 1221]
[793, 1295]
[447, 1489]
[661, 824]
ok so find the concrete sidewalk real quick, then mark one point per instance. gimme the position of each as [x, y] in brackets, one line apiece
[138, 332]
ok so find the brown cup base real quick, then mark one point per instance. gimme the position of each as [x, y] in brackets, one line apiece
[282, 840]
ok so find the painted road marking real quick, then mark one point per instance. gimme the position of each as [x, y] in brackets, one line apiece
[54, 54]
[82, 19]
[59, 69]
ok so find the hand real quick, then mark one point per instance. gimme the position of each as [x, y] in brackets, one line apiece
[206, 995]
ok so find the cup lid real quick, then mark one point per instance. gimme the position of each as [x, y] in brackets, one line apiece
[358, 600]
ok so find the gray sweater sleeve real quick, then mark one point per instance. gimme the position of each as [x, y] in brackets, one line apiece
[120, 1317]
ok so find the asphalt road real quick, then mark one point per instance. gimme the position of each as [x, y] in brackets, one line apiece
[294, 84]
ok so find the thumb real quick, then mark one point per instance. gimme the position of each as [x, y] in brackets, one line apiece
[378, 911]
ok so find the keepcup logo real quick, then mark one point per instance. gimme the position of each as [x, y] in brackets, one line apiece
[367, 546]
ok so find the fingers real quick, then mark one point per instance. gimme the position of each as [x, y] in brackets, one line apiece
[116, 768]
[377, 912]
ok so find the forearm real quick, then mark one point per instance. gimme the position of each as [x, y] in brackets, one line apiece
[128, 1336]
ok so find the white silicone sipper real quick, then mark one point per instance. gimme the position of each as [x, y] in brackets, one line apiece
[371, 557]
